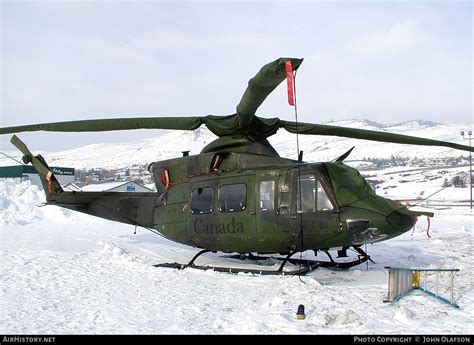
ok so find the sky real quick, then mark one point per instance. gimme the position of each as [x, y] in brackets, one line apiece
[383, 61]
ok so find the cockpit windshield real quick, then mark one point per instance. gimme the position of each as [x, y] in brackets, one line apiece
[311, 196]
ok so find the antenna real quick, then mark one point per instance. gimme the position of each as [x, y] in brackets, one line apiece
[291, 88]
[296, 120]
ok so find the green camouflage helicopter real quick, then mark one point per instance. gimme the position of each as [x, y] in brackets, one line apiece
[238, 195]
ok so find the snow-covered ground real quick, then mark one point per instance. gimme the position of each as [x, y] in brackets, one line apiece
[64, 272]
[414, 184]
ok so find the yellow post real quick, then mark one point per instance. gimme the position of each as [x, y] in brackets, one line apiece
[416, 279]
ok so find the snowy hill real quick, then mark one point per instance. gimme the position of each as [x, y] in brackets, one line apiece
[316, 148]
[327, 148]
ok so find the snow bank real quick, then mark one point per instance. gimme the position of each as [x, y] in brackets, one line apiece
[19, 201]
[23, 203]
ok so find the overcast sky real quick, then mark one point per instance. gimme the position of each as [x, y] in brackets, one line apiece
[383, 61]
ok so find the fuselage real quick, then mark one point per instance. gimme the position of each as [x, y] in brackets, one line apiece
[266, 210]
[252, 202]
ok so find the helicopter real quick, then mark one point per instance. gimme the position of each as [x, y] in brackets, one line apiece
[238, 195]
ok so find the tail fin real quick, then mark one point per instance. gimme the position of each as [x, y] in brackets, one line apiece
[50, 182]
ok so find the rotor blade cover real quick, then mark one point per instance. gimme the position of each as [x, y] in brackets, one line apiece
[356, 133]
[99, 125]
[260, 86]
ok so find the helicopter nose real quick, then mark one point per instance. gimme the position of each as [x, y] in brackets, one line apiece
[362, 231]
[402, 221]
[376, 229]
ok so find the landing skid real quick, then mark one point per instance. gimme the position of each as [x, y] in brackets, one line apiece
[305, 266]
[301, 271]
[362, 257]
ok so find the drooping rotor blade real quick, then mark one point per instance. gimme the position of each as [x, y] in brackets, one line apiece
[260, 86]
[99, 125]
[260, 128]
[317, 129]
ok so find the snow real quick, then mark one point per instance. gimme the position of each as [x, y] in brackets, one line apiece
[404, 183]
[68, 273]
[120, 155]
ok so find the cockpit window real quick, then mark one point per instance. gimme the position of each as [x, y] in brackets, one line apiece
[322, 200]
[306, 200]
[311, 196]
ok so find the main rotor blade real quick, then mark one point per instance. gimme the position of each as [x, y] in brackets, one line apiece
[99, 125]
[219, 125]
[260, 86]
[355, 133]
[228, 125]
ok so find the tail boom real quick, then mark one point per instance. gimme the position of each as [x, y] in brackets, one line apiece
[130, 208]
[125, 207]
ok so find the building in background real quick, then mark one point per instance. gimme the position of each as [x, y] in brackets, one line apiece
[129, 186]
[22, 173]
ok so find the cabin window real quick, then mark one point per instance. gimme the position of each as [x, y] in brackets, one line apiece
[311, 195]
[267, 195]
[202, 200]
[233, 198]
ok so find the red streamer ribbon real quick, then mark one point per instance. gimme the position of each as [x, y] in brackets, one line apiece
[289, 82]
